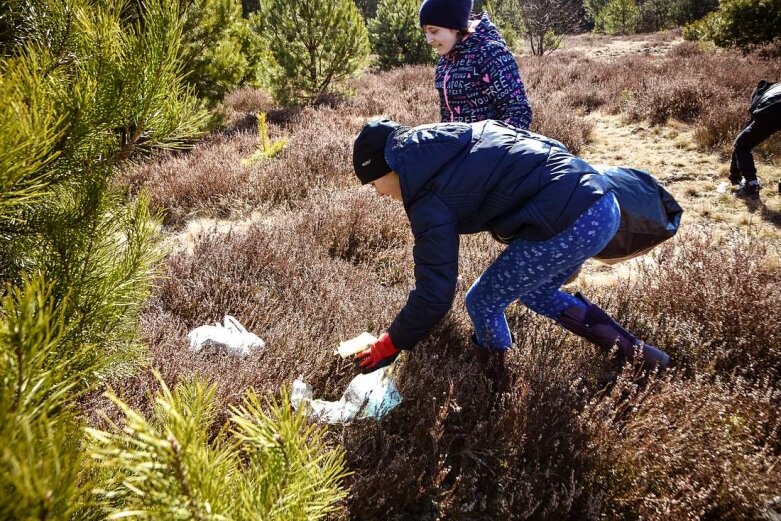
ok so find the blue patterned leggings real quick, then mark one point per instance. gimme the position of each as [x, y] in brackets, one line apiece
[533, 273]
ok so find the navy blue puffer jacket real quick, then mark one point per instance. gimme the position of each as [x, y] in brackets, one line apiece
[459, 178]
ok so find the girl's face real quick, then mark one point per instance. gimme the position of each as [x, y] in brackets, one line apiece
[388, 185]
[441, 39]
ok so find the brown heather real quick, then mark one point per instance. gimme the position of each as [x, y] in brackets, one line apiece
[707, 89]
[322, 259]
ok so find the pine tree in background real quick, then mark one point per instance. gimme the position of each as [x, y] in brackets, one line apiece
[395, 35]
[618, 17]
[316, 43]
[592, 9]
[220, 51]
[368, 8]
[739, 23]
[685, 11]
[745, 23]
[266, 465]
[507, 16]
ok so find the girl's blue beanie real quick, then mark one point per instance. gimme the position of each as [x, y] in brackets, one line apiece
[452, 14]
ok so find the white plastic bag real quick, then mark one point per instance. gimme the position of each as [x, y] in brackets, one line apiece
[231, 337]
[370, 395]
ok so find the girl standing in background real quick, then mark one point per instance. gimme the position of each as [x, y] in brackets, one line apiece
[476, 76]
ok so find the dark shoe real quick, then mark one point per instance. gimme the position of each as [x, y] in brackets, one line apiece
[748, 191]
[596, 326]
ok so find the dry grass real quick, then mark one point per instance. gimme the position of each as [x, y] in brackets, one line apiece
[305, 258]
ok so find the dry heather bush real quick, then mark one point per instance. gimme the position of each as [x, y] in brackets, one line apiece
[712, 303]
[248, 99]
[406, 95]
[207, 181]
[720, 124]
[686, 50]
[769, 51]
[585, 83]
[279, 286]
[556, 118]
[240, 107]
[362, 229]
[658, 99]
[318, 154]
[459, 450]
[571, 76]
[689, 84]
[686, 449]
[211, 181]
[710, 90]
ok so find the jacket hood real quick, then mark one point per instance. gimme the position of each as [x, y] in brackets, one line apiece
[417, 164]
[484, 31]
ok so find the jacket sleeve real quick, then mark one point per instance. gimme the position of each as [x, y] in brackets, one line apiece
[505, 87]
[436, 269]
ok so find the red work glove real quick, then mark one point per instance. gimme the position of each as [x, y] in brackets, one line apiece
[380, 354]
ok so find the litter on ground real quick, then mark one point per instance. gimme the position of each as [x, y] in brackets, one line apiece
[370, 395]
[230, 337]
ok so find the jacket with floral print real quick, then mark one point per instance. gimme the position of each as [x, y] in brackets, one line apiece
[479, 79]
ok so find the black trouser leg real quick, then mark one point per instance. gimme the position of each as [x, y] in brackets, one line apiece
[752, 135]
[734, 172]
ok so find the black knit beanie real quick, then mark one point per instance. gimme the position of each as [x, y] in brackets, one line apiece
[452, 14]
[369, 150]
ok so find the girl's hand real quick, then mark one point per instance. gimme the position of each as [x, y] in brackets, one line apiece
[380, 354]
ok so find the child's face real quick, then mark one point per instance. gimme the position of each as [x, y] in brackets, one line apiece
[441, 39]
[388, 186]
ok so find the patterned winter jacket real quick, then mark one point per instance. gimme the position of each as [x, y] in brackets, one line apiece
[479, 79]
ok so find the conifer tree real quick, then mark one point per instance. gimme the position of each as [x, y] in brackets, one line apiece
[40, 375]
[265, 465]
[395, 35]
[745, 23]
[592, 8]
[618, 17]
[220, 51]
[84, 86]
[316, 43]
[507, 16]
[81, 89]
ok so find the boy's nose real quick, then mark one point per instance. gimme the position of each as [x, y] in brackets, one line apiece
[429, 39]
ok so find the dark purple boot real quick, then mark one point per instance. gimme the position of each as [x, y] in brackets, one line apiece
[596, 326]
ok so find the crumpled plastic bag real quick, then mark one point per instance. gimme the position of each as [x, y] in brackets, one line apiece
[230, 337]
[370, 395]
